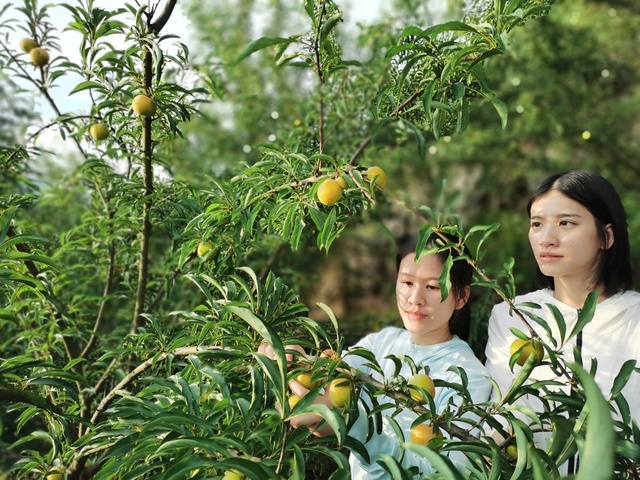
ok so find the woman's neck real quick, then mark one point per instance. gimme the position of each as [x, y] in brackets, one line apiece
[575, 294]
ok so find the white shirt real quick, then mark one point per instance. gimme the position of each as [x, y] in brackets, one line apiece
[439, 357]
[611, 338]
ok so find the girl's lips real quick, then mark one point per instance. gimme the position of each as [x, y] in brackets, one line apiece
[415, 315]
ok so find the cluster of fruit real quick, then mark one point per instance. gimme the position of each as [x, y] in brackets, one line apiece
[39, 56]
[330, 190]
[340, 391]
[418, 385]
[141, 104]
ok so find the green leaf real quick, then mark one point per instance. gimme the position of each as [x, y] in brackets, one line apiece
[597, 455]
[586, 314]
[261, 44]
[87, 86]
[5, 222]
[328, 26]
[442, 464]
[498, 105]
[623, 376]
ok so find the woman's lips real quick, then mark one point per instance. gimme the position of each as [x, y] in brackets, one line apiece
[547, 257]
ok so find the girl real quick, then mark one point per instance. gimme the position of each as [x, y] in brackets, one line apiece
[434, 334]
[578, 234]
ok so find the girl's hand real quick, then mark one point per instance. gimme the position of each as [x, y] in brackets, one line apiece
[265, 349]
[311, 420]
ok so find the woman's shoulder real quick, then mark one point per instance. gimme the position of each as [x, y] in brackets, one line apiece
[630, 298]
[539, 297]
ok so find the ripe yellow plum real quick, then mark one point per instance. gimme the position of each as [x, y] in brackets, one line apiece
[206, 250]
[422, 434]
[99, 131]
[27, 44]
[144, 106]
[39, 56]
[305, 378]
[377, 175]
[340, 392]
[423, 381]
[329, 192]
[530, 346]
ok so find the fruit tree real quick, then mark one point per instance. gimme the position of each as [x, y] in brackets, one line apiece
[131, 327]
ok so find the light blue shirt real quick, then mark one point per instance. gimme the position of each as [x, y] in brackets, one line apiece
[439, 357]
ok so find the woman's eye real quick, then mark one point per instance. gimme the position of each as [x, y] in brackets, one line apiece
[535, 224]
[433, 287]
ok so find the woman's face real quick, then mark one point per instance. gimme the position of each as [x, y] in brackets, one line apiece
[423, 313]
[564, 238]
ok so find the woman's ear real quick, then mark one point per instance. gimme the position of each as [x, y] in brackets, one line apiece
[462, 301]
[608, 236]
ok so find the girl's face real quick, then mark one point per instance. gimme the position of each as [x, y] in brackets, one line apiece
[564, 238]
[423, 313]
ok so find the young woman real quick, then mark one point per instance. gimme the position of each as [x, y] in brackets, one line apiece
[578, 234]
[434, 334]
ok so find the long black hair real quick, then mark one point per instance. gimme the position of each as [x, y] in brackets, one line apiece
[598, 195]
[460, 275]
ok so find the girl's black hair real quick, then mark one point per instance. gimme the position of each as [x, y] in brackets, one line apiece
[598, 195]
[460, 275]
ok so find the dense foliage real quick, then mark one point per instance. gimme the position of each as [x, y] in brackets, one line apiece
[130, 352]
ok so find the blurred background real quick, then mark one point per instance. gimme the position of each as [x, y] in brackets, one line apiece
[570, 82]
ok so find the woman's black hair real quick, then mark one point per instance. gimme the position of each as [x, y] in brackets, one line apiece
[598, 195]
[460, 275]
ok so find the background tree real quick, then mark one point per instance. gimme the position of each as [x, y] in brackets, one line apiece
[131, 351]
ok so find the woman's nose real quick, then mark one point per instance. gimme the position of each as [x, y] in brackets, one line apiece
[547, 237]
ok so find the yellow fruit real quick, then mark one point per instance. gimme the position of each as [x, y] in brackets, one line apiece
[342, 182]
[144, 106]
[422, 434]
[99, 131]
[27, 44]
[530, 346]
[512, 450]
[206, 251]
[340, 391]
[56, 473]
[293, 400]
[423, 381]
[305, 379]
[232, 475]
[378, 174]
[39, 56]
[329, 192]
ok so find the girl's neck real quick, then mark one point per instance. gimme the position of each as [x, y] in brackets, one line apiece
[433, 339]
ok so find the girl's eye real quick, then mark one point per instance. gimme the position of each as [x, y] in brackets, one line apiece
[535, 224]
[433, 287]
[564, 223]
